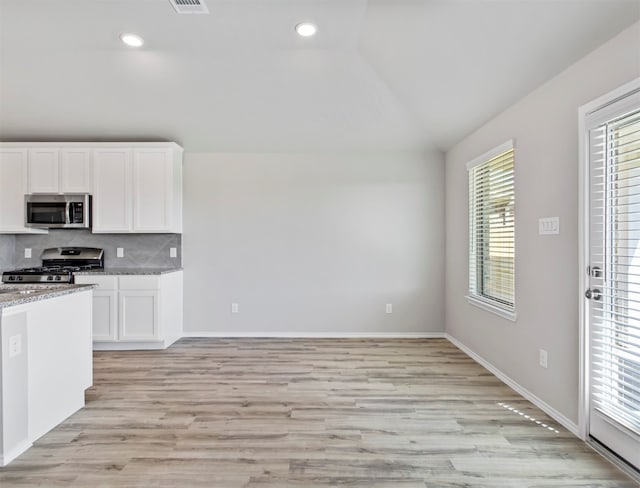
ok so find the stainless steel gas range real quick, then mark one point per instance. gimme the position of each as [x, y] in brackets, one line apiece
[58, 265]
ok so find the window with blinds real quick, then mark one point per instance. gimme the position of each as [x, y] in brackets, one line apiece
[615, 269]
[492, 230]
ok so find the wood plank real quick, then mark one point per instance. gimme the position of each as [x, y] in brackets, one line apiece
[305, 413]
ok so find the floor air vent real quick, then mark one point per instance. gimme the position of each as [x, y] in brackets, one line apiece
[189, 6]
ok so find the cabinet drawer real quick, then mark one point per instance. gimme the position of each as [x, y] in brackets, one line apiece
[139, 282]
[103, 282]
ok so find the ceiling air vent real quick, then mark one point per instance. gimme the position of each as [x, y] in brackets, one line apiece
[189, 6]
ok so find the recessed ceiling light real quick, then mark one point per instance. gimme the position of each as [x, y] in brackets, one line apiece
[306, 29]
[132, 40]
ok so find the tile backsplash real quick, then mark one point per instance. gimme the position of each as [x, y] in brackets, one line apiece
[140, 250]
[7, 249]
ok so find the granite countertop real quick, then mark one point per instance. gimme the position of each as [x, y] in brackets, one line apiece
[127, 271]
[11, 295]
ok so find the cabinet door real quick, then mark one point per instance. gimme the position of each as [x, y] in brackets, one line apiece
[75, 171]
[105, 306]
[152, 190]
[13, 186]
[105, 315]
[138, 315]
[112, 190]
[44, 170]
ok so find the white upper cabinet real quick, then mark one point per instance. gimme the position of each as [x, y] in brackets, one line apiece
[152, 195]
[112, 190]
[75, 171]
[138, 189]
[59, 170]
[44, 169]
[13, 186]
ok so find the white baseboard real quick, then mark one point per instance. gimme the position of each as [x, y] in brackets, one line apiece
[319, 335]
[129, 346]
[546, 408]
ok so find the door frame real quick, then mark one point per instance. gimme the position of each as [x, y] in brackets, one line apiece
[583, 245]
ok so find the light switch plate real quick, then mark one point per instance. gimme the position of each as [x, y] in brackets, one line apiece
[120, 252]
[173, 252]
[549, 226]
[27, 253]
[544, 358]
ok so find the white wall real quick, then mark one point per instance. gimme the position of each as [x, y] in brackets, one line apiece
[313, 243]
[545, 127]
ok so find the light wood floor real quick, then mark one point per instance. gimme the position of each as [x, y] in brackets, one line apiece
[305, 413]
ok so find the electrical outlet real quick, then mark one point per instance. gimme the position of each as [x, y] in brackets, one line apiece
[389, 308]
[119, 252]
[27, 253]
[173, 252]
[543, 358]
[235, 308]
[15, 345]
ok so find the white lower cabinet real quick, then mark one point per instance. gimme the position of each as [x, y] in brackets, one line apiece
[105, 315]
[136, 312]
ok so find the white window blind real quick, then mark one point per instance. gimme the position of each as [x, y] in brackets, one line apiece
[615, 256]
[492, 229]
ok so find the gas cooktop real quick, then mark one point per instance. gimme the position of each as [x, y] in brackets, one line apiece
[58, 265]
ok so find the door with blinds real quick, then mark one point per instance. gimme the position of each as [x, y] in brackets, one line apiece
[613, 275]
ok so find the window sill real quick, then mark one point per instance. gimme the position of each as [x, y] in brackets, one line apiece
[490, 307]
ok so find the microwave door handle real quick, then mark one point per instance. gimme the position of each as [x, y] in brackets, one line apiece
[69, 214]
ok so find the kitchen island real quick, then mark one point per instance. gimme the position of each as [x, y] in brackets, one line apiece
[45, 360]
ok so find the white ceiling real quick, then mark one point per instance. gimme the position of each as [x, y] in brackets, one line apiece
[379, 75]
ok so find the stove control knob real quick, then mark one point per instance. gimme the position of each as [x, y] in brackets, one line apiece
[58, 278]
[49, 278]
[12, 278]
[19, 278]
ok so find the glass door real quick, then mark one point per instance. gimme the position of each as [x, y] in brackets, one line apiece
[614, 277]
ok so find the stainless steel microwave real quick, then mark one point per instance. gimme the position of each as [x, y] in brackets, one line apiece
[58, 211]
